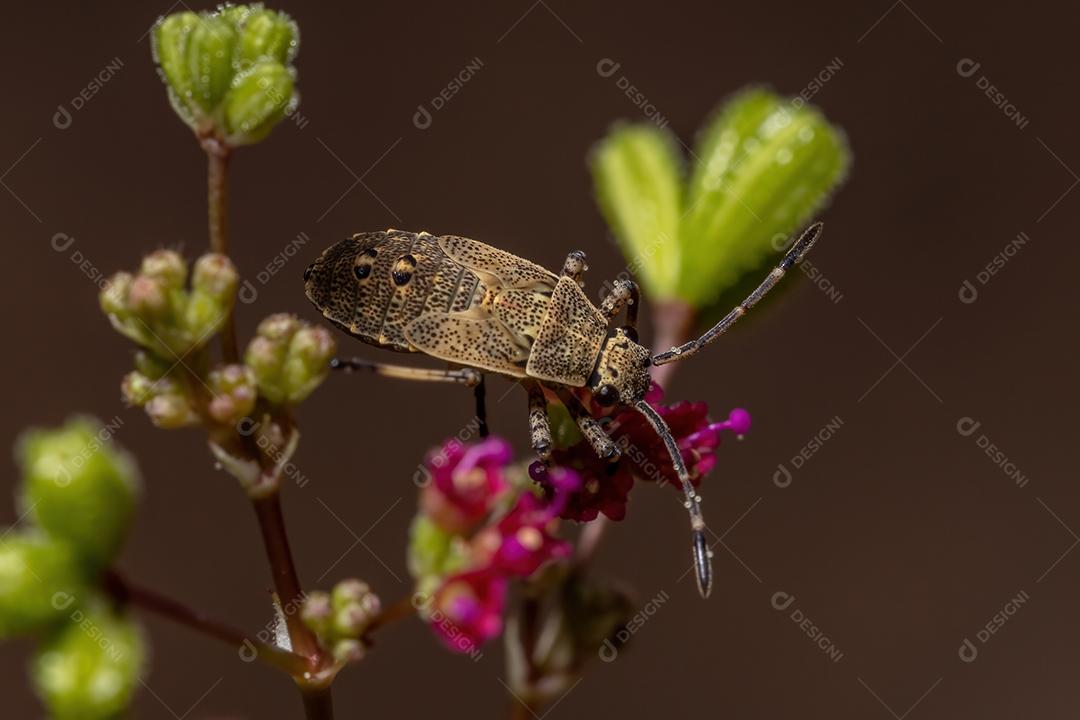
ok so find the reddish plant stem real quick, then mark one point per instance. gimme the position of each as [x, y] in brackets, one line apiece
[674, 322]
[286, 581]
[151, 601]
[318, 703]
[400, 610]
[217, 177]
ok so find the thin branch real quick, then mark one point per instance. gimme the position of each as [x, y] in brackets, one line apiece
[318, 703]
[400, 610]
[286, 581]
[165, 607]
[217, 154]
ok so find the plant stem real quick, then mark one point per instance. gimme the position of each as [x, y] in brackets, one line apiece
[674, 323]
[318, 703]
[217, 154]
[589, 540]
[180, 614]
[401, 609]
[286, 581]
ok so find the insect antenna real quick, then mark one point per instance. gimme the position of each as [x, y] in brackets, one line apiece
[792, 258]
[692, 503]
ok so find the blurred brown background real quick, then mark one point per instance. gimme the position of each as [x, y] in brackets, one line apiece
[900, 538]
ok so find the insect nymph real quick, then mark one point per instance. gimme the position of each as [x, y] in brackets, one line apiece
[485, 310]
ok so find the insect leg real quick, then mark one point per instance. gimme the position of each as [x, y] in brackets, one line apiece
[593, 431]
[575, 266]
[480, 393]
[793, 257]
[624, 294]
[539, 422]
[465, 376]
[702, 555]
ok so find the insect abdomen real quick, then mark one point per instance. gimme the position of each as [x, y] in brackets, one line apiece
[373, 285]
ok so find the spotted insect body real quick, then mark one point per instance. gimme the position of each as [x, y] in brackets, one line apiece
[461, 301]
[483, 309]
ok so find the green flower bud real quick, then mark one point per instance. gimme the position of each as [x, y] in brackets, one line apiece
[354, 606]
[171, 411]
[90, 669]
[229, 73]
[259, 98]
[79, 487]
[171, 38]
[136, 389]
[151, 365]
[38, 575]
[234, 393]
[113, 296]
[317, 613]
[433, 552]
[268, 35]
[308, 361]
[210, 60]
[346, 651]
[213, 294]
[166, 266]
[350, 592]
[289, 358]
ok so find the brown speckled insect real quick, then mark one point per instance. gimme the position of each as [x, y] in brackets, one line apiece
[487, 311]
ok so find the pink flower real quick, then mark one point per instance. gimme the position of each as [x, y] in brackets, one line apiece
[465, 482]
[467, 485]
[606, 488]
[466, 610]
[526, 539]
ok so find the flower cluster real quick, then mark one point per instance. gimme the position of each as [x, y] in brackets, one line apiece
[229, 73]
[607, 486]
[79, 492]
[340, 617]
[480, 526]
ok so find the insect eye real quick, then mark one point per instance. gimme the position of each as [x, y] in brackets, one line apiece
[361, 271]
[607, 395]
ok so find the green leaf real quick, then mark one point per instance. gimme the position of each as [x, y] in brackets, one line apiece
[636, 172]
[763, 166]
